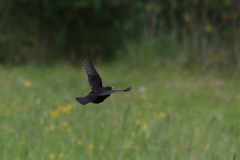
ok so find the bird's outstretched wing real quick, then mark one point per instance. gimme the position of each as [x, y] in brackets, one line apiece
[114, 91]
[94, 79]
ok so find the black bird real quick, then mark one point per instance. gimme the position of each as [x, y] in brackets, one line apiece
[98, 93]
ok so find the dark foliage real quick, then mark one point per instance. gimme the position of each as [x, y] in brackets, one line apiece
[45, 30]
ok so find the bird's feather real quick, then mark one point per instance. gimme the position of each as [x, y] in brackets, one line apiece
[114, 91]
[83, 100]
[94, 79]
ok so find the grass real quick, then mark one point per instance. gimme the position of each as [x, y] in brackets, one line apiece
[169, 114]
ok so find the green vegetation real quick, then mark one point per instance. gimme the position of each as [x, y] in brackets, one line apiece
[169, 114]
[171, 53]
[49, 31]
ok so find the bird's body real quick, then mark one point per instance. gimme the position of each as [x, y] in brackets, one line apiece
[93, 96]
[98, 93]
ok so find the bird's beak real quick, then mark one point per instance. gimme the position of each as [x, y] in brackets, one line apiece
[112, 87]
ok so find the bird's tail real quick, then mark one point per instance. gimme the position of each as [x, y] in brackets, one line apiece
[82, 100]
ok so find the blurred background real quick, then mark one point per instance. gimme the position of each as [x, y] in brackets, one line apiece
[195, 32]
[181, 58]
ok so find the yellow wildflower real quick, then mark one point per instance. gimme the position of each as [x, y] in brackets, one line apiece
[162, 115]
[10, 130]
[54, 114]
[61, 155]
[101, 147]
[197, 128]
[45, 149]
[186, 17]
[38, 140]
[69, 106]
[132, 134]
[79, 141]
[66, 109]
[137, 122]
[102, 124]
[23, 142]
[155, 116]
[69, 129]
[27, 84]
[51, 156]
[65, 123]
[150, 105]
[46, 129]
[140, 113]
[91, 146]
[143, 96]
[130, 145]
[175, 149]
[144, 127]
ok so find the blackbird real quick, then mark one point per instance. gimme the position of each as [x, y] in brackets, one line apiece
[98, 93]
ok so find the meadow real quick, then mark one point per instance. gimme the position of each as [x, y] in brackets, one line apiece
[170, 114]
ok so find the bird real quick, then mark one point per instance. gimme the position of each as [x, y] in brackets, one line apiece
[98, 93]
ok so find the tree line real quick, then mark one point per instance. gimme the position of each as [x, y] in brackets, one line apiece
[46, 30]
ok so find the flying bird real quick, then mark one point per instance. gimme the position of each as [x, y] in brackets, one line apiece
[98, 93]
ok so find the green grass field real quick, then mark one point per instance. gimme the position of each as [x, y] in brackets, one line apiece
[170, 114]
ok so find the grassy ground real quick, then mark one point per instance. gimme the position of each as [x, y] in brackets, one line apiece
[170, 114]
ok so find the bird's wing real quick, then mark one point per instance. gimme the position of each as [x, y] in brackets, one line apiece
[114, 91]
[94, 79]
